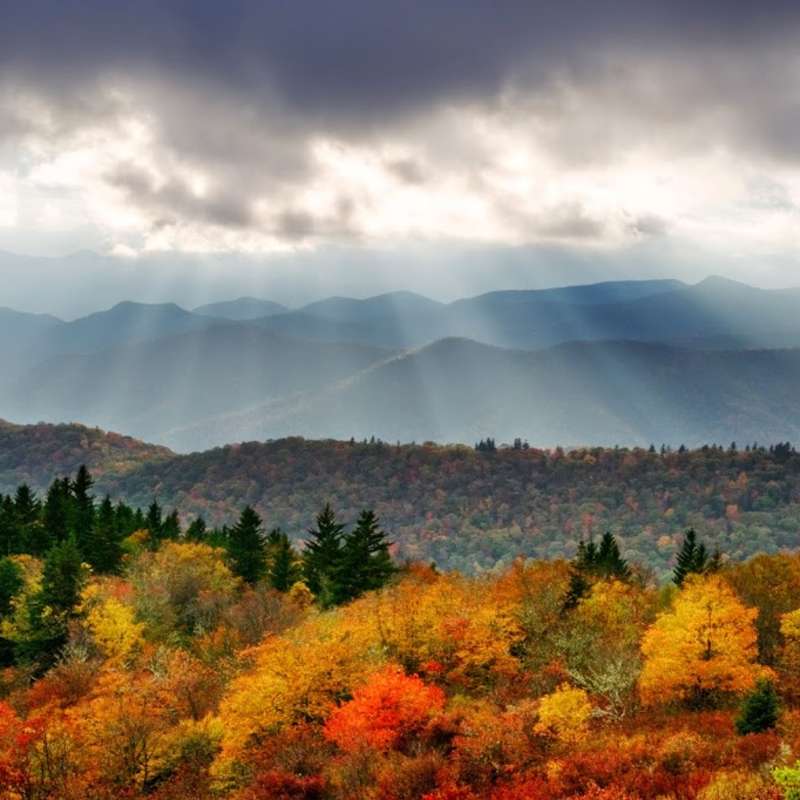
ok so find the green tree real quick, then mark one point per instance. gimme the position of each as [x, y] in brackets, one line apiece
[11, 582]
[692, 558]
[171, 529]
[154, 522]
[106, 547]
[322, 557]
[246, 546]
[58, 509]
[365, 562]
[760, 709]
[283, 564]
[197, 531]
[83, 510]
[51, 608]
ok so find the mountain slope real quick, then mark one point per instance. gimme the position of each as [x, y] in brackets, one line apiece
[242, 309]
[463, 509]
[153, 386]
[573, 394]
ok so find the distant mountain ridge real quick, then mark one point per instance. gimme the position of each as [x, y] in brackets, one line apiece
[620, 361]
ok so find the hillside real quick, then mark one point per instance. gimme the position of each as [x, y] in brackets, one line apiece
[151, 387]
[243, 308]
[461, 508]
[457, 390]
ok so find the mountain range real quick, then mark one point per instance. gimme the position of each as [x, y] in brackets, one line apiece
[628, 362]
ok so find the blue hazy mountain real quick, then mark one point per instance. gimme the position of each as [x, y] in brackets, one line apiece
[241, 309]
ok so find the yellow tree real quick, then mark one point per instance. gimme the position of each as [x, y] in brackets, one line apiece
[702, 648]
[564, 715]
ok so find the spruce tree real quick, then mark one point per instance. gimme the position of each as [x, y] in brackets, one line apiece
[171, 528]
[106, 549]
[365, 562]
[154, 522]
[283, 565]
[83, 509]
[691, 558]
[57, 509]
[11, 583]
[246, 546]
[196, 532]
[322, 556]
[51, 608]
[760, 709]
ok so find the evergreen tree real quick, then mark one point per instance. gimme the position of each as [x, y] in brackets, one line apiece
[365, 562]
[154, 522]
[593, 562]
[691, 558]
[171, 528]
[8, 527]
[106, 550]
[57, 509]
[246, 546]
[196, 532]
[83, 509]
[51, 608]
[760, 709]
[283, 564]
[11, 584]
[322, 555]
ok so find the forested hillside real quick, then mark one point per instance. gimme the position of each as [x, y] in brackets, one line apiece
[147, 662]
[460, 507]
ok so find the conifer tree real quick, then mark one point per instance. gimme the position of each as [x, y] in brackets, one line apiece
[57, 509]
[760, 709]
[171, 527]
[365, 561]
[322, 556]
[51, 608]
[283, 564]
[9, 535]
[246, 546]
[154, 522]
[691, 558]
[11, 583]
[83, 509]
[105, 553]
[196, 532]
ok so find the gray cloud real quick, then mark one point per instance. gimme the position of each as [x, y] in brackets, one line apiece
[241, 90]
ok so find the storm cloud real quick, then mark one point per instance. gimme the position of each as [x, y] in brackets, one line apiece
[264, 127]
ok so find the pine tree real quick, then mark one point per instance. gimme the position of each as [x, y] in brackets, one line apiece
[283, 564]
[610, 563]
[322, 556]
[83, 509]
[365, 562]
[196, 532]
[171, 528]
[246, 546]
[9, 529]
[154, 522]
[691, 558]
[106, 550]
[11, 583]
[760, 709]
[52, 607]
[57, 509]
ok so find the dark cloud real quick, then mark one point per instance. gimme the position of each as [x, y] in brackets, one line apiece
[360, 57]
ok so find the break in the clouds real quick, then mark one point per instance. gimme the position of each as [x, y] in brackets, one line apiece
[268, 127]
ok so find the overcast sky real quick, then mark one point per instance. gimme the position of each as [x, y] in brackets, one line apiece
[299, 148]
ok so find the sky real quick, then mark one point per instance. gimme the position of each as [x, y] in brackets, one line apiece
[191, 150]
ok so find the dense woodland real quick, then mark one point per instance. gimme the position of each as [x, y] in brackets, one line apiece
[462, 508]
[148, 659]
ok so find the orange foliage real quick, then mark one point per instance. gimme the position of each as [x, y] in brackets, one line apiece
[385, 712]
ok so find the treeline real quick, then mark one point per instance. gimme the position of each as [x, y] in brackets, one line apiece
[460, 508]
[75, 537]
